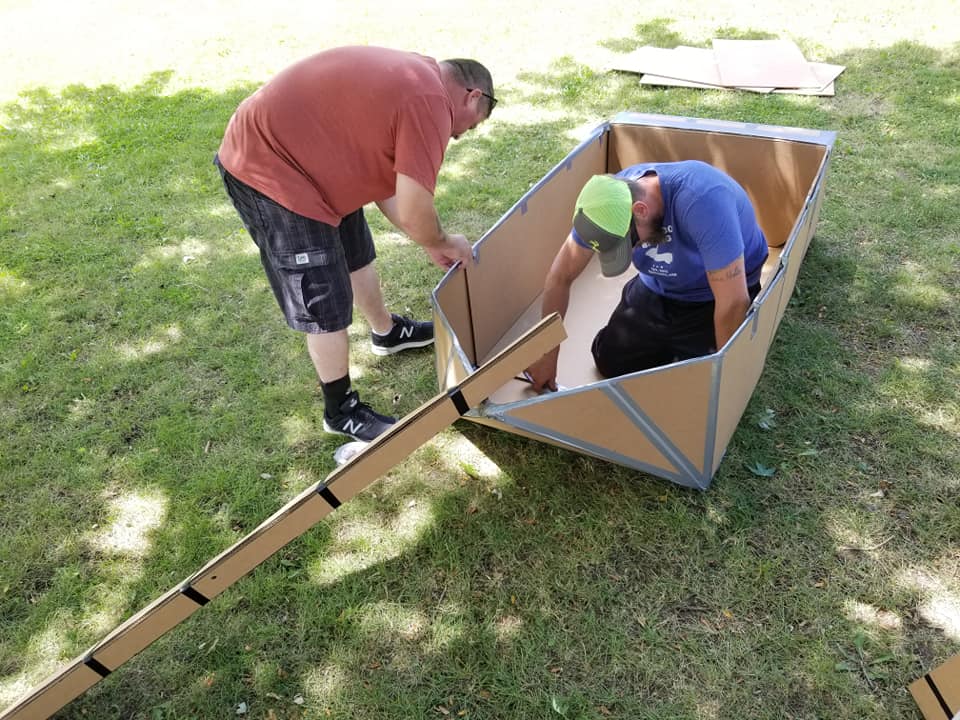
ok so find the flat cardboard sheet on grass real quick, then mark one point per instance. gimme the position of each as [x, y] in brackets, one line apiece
[825, 72]
[762, 63]
[761, 66]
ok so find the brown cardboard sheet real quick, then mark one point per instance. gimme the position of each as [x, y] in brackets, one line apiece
[762, 63]
[692, 67]
[827, 90]
[680, 408]
[69, 681]
[937, 693]
[683, 63]
[452, 296]
[743, 362]
[777, 174]
[592, 417]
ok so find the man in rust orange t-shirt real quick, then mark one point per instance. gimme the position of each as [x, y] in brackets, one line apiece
[303, 155]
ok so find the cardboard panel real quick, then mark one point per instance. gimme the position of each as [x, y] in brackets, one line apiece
[937, 693]
[449, 369]
[677, 400]
[773, 297]
[762, 63]
[593, 417]
[450, 298]
[138, 632]
[291, 521]
[742, 363]
[696, 67]
[771, 267]
[797, 249]
[576, 447]
[66, 684]
[777, 174]
[515, 256]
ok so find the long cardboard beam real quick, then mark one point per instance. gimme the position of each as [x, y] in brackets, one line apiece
[288, 523]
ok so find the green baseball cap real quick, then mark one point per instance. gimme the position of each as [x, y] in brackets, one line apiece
[602, 217]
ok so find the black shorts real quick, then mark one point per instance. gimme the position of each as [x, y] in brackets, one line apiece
[654, 330]
[308, 262]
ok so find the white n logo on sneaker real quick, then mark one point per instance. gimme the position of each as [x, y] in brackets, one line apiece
[352, 427]
[406, 331]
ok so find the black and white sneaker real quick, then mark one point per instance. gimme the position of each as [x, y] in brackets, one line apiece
[406, 334]
[357, 420]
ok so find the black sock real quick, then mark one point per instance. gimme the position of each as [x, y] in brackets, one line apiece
[334, 393]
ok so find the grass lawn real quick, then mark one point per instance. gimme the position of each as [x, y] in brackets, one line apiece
[154, 408]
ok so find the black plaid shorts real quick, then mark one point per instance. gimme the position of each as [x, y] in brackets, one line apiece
[308, 262]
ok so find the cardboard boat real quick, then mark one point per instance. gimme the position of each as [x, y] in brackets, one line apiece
[674, 421]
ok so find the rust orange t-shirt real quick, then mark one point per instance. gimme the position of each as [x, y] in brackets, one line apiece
[330, 133]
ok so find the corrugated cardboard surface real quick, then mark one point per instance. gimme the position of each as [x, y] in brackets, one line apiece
[765, 66]
[593, 418]
[69, 682]
[762, 63]
[776, 174]
[937, 693]
[452, 296]
[680, 409]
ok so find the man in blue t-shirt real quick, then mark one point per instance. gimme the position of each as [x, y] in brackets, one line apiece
[692, 234]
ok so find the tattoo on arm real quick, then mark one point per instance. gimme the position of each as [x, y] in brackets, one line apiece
[727, 273]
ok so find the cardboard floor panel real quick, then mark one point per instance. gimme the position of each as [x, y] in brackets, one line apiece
[593, 298]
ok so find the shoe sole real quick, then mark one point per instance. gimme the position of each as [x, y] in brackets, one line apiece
[377, 350]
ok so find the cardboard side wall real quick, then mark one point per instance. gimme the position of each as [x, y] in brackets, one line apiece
[453, 328]
[777, 174]
[514, 258]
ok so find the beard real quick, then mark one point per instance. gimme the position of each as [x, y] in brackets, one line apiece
[651, 232]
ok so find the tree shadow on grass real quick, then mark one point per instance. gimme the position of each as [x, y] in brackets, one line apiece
[550, 584]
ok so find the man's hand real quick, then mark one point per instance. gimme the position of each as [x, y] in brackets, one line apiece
[543, 373]
[455, 249]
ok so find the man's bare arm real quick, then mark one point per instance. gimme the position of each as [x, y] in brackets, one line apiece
[731, 299]
[569, 262]
[413, 212]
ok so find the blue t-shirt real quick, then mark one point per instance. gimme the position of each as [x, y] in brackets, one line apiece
[708, 222]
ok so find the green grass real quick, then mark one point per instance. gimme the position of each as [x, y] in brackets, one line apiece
[154, 408]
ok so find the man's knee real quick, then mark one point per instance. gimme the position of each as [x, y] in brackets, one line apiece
[605, 361]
